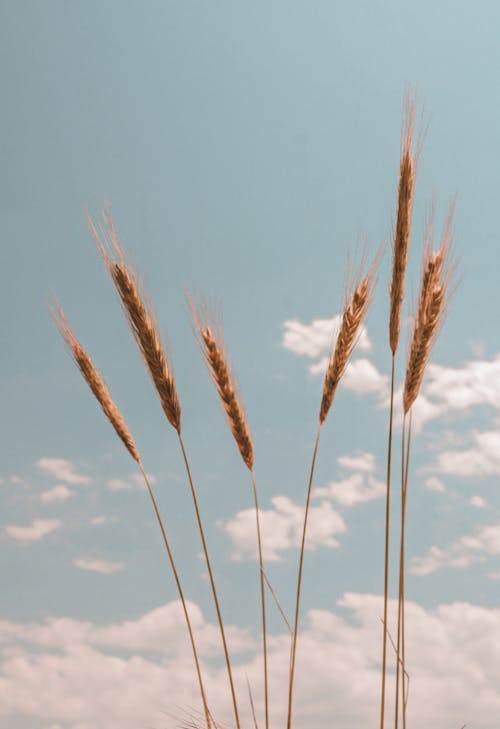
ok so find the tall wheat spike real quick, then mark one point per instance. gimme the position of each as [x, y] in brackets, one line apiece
[401, 242]
[211, 342]
[355, 309]
[431, 308]
[103, 396]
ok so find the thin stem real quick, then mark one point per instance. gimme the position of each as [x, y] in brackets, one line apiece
[401, 558]
[299, 582]
[403, 662]
[278, 605]
[262, 597]
[212, 581]
[181, 594]
[386, 553]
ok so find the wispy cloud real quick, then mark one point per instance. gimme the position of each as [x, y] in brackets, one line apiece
[282, 529]
[62, 470]
[433, 483]
[35, 531]
[57, 494]
[461, 553]
[482, 458]
[101, 566]
[364, 462]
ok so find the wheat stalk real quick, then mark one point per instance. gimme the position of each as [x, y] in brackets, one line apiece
[355, 310]
[102, 394]
[211, 342]
[401, 242]
[432, 302]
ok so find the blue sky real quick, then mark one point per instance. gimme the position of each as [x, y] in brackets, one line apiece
[244, 148]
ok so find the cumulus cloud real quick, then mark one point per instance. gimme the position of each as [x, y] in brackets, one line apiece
[35, 531]
[364, 462]
[281, 528]
[101, 566]
[478, 502]
[433, 483]
[140, 672]
[355, 489]
[461, 553]
[58, 493]
[62, 470]
[482, 458]
[119, 484]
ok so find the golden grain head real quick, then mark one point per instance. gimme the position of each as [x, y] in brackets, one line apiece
[95, 381]
[437, 270]
[211, 343]
[139, 313]
[355, 310]
[402, 233]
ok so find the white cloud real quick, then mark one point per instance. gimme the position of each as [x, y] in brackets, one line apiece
[38, 529]
[364, 462]
[475, 383]
[478, 502]
[58, 493]
[363, 378]
[433, 483]
[281, 529]
[100, 519]
[355, 489]
[461, 553]
[63, 470]
[86, 676]
[119, 484]
[481, 459]
[101, 566]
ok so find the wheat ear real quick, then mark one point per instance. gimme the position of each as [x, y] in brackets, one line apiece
[211, 343]
[102, 394]
[355, 310]
[139, 313]
[94, 381]
[431, 307]
[406, 192]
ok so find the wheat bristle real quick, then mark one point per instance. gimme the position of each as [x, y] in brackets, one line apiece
[140, 316]
[95, 382]
[352, 317]
[214, 352]
[406, 192]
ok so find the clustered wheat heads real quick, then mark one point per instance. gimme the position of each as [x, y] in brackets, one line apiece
[433, 298]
